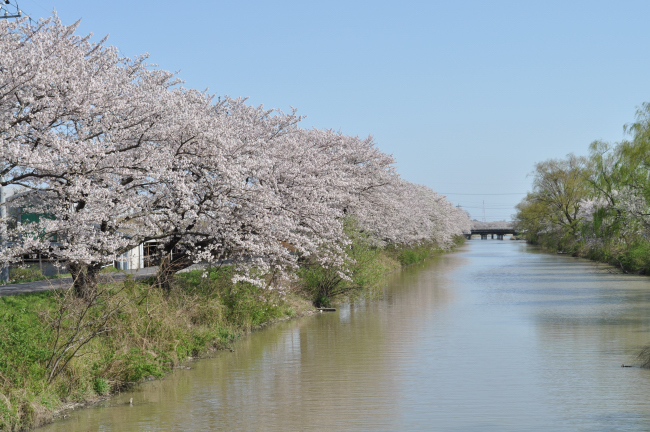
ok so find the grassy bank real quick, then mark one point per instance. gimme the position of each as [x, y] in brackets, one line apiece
[629, 256]
[57, 351]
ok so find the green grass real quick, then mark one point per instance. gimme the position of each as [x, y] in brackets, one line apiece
[23, 353]
[414, 255]
[627, 255]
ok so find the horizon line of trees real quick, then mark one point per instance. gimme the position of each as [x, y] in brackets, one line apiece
[114, 152]
[597, 206]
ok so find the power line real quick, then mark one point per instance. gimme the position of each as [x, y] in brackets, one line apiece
[490, 208]
[48, 11]
[13, 12]
[19, 13]
[510, 193]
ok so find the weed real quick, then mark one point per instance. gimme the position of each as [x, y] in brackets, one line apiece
[101, 386]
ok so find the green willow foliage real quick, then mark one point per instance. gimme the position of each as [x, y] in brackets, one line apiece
[597, 206]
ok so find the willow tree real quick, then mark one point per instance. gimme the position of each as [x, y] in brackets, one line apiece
[556, 205]
[560, 185]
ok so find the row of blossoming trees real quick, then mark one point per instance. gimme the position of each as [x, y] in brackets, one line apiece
[596, 206]
[112, 152]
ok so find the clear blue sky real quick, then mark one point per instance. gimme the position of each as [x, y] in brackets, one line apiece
[467, 95]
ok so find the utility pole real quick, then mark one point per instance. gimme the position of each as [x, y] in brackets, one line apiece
[9, 10]
[4, 271]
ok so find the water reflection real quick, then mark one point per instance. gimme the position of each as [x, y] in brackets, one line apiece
[495, 337]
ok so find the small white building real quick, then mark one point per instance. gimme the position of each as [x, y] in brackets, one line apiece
[144, 255]
[131, 260]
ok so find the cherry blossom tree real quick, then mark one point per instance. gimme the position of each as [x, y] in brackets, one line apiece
[113, 152]
[78, 129]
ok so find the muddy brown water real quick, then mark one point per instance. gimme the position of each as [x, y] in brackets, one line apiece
[494, 337]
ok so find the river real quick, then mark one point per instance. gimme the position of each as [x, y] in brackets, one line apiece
[496, 336]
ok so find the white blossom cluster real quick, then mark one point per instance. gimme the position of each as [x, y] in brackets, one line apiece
[112, 152]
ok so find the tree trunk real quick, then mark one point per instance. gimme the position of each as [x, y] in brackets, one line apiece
[169, 267]
[85, 278]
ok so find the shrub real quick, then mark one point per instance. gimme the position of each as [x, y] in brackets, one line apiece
[101, 386]
[366, 267]
[636, 258]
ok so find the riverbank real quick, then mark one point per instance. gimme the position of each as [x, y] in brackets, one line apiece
[628, 257]
[58, 353]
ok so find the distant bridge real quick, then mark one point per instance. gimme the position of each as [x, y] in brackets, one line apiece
[485, 232]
